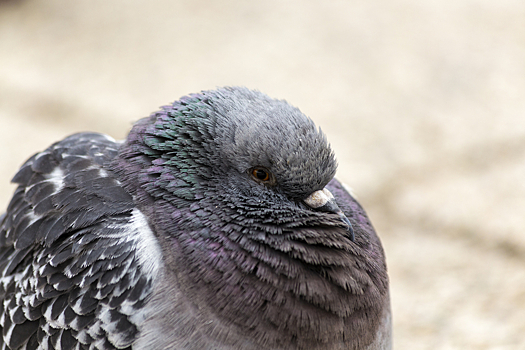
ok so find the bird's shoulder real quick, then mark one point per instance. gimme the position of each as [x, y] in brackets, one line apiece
[77, 257]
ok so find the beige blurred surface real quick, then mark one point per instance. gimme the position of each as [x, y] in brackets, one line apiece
[423, 102]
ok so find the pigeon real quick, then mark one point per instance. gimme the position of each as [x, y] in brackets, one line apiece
[216, 224]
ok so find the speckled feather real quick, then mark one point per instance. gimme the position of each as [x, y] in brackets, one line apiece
[71, 274]
[165, 241]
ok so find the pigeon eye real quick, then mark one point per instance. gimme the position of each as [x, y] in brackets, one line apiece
[261, 174]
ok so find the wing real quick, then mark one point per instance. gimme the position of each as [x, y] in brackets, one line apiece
[77, 258]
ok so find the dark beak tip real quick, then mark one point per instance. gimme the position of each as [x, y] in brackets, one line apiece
[351, 233]
[349, 228]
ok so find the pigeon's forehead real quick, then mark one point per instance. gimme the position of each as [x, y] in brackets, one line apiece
[252, 112]
[253, 121]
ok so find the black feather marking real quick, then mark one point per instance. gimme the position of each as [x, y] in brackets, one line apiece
[7, 324]
[86, 304]
[69, 314]
[55, 231]
[36, 179]
[86, 217]
[119, 260]
[55, 339]
[81, 322]
[80, 263]
[88, 280]
[59, 259]
[137, 292]
[5, 260]
[27, 235]
[12, 304]
[80, 272]
[81, 238]
[56, 277]
[15, 203]
[21, 333]
[40, 334]
[33, 313]
[67, 341]
[39, 192]
[64, 285]
[18, 316]
[103, 293]
[116, 301]
[91, 256]
[24, 174]
[116, 273]
[126, 329]
[15, 260]
[67, 197]
[44, 163]
[115, 250]
[45, 227]
[50, 292]
[32, 343]
[58, 306]
[21, 221]
[13, 221]
[45, 206]
[107, 345]
[48, 270]
[74, 164]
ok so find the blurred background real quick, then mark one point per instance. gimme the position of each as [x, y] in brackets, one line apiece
[423, 102]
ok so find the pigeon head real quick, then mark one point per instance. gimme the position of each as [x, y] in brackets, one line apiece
[236, 186]
[271, 142]
[241, 144]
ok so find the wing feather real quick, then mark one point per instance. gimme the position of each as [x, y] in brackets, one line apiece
[77, 258]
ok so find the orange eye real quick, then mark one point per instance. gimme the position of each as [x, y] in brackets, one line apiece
[260, 174]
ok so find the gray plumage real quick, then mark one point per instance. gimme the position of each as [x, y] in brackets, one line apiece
[217, 224]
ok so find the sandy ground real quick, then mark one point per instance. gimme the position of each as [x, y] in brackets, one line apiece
[423, 102]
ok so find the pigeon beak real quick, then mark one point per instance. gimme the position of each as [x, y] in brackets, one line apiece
[323, 200]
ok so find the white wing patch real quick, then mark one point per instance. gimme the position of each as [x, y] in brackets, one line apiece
[147, 246]
[56, 177]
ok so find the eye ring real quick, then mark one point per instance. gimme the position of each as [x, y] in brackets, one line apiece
[262, 175]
